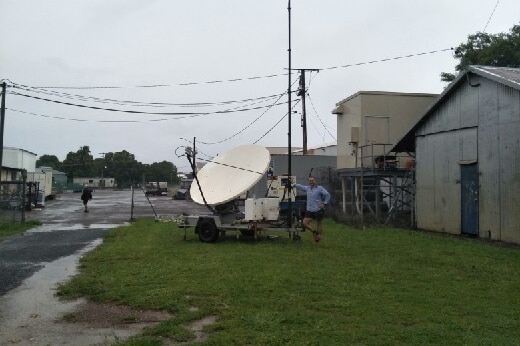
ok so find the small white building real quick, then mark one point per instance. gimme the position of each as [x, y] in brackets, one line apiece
[14, 160]
[330, 149]
[96, 182]
[19, 158]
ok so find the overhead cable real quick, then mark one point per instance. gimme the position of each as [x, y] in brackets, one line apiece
[247, 78]
[276, 124]
[163, 85]
[142, 112]
[96, 121]
[134, 103]
[491, 16]
[245, 128]
[248, 125]
[388, 59]
[319, 118]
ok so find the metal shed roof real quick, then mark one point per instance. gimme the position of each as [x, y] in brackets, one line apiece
[505, 75]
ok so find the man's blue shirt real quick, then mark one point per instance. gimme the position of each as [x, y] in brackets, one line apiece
[315, 196]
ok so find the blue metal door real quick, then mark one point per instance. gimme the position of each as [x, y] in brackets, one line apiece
[469, 198]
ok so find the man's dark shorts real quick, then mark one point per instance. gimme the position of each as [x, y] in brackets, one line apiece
[315, 215]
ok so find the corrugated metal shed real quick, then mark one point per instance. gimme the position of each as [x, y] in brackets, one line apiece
[473, 127]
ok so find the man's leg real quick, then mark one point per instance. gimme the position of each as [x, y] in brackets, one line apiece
[307, 223]
[319, 229]
[315, 234]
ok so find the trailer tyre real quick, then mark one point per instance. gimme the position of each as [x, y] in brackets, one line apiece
[207, 231]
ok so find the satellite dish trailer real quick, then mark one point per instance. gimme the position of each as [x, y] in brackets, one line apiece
[221, 182]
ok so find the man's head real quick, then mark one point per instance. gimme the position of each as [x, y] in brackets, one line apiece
[312, 181]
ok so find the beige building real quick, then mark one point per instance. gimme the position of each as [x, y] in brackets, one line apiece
[369, 123]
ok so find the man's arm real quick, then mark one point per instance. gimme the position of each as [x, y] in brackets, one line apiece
[300, 187]
[325, 195]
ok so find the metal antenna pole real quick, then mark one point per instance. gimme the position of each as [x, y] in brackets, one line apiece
[2, 121]
[289, 206]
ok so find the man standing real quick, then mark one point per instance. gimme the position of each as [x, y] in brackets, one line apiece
[86, 196]
[317, 200]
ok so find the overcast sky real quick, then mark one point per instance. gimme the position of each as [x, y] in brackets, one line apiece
[179, 48]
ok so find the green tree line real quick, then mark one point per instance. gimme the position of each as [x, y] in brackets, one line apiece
[122, 166]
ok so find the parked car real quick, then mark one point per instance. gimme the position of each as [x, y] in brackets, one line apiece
[183, 192]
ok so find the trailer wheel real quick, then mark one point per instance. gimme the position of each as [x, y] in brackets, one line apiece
[207, 231]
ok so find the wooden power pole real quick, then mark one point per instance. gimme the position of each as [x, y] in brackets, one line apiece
[301, 92]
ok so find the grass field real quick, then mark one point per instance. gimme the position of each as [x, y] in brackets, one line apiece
[10, 228]
[369, 287]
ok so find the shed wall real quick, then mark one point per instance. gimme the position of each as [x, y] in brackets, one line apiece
[499, 151]
[438, 178]
[474, 123]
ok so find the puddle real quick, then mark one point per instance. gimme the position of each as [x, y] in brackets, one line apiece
[197, 327]
[29, 314]
[73, 227]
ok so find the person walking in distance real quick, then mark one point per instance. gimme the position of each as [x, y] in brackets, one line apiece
[86, 196]
[317, 200]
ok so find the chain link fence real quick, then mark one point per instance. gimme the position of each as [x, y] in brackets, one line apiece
[14, 200]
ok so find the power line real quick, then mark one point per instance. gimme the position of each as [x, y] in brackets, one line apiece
[249, 125]
[388, 59]
[96, 121]
[246, 127]
[276, 124]
[319, 118]
[491, 16]
[134, 103]
[242, 79]
[164, 85]
[141, 112]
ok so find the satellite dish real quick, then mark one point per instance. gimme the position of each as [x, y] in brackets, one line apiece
[230, 174]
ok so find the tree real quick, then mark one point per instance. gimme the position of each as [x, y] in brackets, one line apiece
[79, 164]
[501, 50]
[161, 171]
[49, 161]
[122, 166]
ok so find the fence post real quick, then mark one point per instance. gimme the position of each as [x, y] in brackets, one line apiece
[24, 192]
[132, 205]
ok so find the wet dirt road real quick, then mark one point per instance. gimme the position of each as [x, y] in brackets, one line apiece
[32, 264]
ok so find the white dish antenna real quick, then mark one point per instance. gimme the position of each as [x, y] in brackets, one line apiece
[230, 174]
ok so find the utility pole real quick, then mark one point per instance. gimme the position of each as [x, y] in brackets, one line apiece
[102, 182]
[301, 92]
[2, 121]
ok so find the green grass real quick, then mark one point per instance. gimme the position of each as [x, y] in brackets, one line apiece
[369, 287]
[11, 228]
